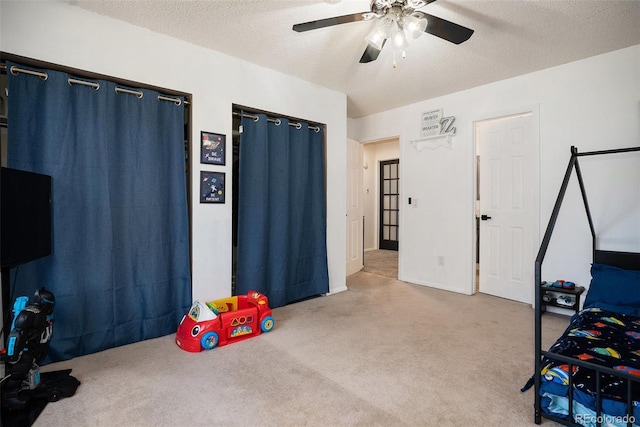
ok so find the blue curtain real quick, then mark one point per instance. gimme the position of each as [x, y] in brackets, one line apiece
[119, 267]
[282, 248]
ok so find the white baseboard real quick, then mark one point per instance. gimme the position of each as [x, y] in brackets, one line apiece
[336, 290]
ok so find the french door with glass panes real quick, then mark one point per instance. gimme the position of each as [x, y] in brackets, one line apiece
[389, 198]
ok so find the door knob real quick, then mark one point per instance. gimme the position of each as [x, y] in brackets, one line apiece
[484, 217]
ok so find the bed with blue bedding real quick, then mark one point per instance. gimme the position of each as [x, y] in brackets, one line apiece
[601, 349]
[591, 375]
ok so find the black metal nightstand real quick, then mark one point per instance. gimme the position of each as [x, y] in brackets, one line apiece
[560, 297]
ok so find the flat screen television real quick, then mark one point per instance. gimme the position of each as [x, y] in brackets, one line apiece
[25, 216]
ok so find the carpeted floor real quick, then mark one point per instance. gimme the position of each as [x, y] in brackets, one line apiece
[381, 262]
[375, 355]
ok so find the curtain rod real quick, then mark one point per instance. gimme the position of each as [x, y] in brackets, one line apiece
[44, 76]
[276, 121]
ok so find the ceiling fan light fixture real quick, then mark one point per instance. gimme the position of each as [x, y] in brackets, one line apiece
[396, 20]
[414, 26]
[381, 31]
[400, 41]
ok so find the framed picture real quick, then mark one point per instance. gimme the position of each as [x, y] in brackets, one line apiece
[212, 148]
[212, 187]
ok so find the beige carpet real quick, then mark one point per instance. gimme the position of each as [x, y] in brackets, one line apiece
[384, 353]
[381, 262]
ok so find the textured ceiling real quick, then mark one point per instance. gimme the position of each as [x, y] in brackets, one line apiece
[511, 38]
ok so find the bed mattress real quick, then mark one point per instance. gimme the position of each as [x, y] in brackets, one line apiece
[605, 338]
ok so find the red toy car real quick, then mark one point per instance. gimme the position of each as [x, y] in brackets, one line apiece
[223, 321]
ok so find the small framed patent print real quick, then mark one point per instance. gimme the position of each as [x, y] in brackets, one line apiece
[212, 148]
[212, 187]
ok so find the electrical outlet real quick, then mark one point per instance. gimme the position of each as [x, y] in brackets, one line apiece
[441, 261]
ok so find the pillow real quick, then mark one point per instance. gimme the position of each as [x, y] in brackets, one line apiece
[613, 287]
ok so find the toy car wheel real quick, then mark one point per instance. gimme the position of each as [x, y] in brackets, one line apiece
[267, 324]
[209, 340]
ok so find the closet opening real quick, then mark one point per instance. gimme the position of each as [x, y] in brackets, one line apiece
[120, 141]
[279, 206]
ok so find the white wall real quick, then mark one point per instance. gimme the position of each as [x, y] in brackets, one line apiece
[592, 104]
[63, 34]
[373, 154]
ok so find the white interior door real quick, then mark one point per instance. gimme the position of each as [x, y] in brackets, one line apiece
[354, 207]
[508, 206]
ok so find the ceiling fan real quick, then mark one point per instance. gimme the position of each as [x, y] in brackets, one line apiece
[397, 20]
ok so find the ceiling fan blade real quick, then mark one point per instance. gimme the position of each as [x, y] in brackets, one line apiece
[328, 22]
[371, 53]
[446, 30]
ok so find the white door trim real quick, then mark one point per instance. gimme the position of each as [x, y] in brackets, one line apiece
[534, 110]
[354, 261]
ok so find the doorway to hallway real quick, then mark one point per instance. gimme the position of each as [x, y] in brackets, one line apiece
[382, 262]
[377, 259]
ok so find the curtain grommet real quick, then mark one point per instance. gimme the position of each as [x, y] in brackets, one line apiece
[138, 93]
[176, 101]
[72, 81]
[16, 70]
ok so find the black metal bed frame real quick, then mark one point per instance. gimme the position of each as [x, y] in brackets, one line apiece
[625, 260]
